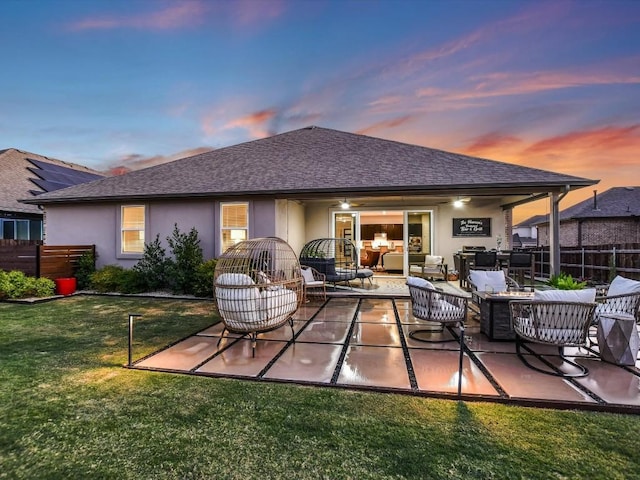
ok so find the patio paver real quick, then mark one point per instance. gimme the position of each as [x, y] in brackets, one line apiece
[363, 343]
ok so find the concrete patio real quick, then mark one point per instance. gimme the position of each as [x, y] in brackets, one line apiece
[361, 341]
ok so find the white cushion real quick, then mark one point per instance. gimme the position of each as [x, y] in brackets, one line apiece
[432, 260]
[623, 286]
[307, 276]
[239, 306]
[492, 280]
[420, 282]
[586, 295]
[234, 279]
[278, 305]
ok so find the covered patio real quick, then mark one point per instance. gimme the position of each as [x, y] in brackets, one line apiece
[359, 340]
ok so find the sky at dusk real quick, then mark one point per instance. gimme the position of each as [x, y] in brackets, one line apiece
[546, 84]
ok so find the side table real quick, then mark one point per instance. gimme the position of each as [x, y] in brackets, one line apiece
[618, 339]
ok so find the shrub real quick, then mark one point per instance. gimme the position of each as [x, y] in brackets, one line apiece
[16, 284]
[86, 266]
[114, 278]
[153, 266]
[563, 281]
[203, 284]
[187, 256]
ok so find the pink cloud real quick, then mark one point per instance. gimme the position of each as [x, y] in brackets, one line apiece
[256, 123]
[385, 124]
[177, 15]
[187, 13]
[127, 163]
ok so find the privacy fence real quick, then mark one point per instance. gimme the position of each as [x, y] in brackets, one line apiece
[50, 261]
[599, 263]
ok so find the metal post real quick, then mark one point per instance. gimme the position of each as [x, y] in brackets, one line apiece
[582, 262]
[131, 317]
[461, 355]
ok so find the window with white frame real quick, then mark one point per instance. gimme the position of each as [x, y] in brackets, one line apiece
[132, 221]
[234, 221]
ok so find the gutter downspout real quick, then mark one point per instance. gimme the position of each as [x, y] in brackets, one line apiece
[554, 230]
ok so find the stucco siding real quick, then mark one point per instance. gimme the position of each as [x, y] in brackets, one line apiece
[84, 225]
[187, 215]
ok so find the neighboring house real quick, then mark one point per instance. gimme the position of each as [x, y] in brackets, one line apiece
[301, 185]
[24, 175]
[525, 233]
[611, 217]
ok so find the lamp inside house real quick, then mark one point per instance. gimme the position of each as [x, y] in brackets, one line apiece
[457, 203]
[238, 235]
[345, 205]
[379, 240]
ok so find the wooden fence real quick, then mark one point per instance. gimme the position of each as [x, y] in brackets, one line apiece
[50, 261]
[19, 255]
[599, 263]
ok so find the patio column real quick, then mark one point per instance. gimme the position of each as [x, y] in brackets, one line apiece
[554, 231]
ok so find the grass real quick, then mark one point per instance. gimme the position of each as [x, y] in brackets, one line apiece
[69, 410]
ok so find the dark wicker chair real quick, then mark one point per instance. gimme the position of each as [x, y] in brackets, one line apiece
[257, 287]
[562, 324]
[435, 306]
[335, 258]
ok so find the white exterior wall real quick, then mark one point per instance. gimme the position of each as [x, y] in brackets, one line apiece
[290, 223]
[447, 245]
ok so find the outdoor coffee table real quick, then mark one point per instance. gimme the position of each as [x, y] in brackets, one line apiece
[618, 339]
[495, 317]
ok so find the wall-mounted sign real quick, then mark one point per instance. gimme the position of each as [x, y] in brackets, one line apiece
[472, 227]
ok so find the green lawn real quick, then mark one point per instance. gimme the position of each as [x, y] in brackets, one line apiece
[69, 410]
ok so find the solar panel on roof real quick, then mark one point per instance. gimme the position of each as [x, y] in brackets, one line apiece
[55, 177]
[48, 186]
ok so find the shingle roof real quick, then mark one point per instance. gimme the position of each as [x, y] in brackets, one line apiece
[531, 221]
[316, 161]
[25, 175]
[615, 202]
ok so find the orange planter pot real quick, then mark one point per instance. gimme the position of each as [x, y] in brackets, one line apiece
[65, 286]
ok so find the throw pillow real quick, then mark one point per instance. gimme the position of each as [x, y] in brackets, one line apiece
[488, 280]
[420, 282]
[623, 286]
[586, 295]
[307, 275]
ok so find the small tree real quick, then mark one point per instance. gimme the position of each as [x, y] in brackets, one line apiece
[187, 257]
[153, 265]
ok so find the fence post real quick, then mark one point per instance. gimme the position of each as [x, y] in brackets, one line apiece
[38, 247]
[582, 262]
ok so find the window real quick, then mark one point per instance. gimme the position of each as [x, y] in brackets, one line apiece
[234, 218]
[132, 226]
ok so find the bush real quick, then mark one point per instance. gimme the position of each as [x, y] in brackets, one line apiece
[86, 266]
[153, 266]
[16, 284]
[563, 281]
[114, 278]
[203, 284]
[187, 256]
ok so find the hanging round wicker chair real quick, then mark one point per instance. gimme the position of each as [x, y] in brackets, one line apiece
[257, 286]
[334, 257]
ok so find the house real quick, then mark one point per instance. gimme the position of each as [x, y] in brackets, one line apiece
[525, 233]
[609, 218]
[26, 175]
[301, 185]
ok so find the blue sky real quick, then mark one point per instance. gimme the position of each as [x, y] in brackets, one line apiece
[547, 84]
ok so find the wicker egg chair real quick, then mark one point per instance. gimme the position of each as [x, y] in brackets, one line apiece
[334, 257]
[257, 287]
